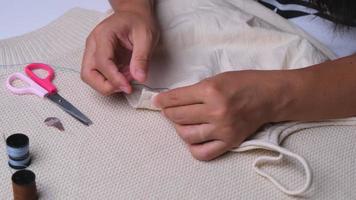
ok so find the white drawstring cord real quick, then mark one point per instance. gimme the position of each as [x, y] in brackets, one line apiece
[268, 159]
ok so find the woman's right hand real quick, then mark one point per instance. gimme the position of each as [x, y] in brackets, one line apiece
[118, 51]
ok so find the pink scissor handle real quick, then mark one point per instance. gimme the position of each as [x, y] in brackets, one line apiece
[46, 83]
[31, 88]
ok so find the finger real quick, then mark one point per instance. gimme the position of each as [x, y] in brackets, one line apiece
[142, 47]
[104, 56]
[187, 115]
[179, 97]
[88, 62]
[116, 79]
[195, 134]
[209, 150]
[89, 51]
[88, 73]
[97, 81]
[126, 72]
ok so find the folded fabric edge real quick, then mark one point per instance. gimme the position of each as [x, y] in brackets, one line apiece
[142, 99]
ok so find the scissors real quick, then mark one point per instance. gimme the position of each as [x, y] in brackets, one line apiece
[43, 87]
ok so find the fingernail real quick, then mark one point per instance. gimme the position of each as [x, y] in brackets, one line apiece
[125, 89]
[140, 74]
[118, 91]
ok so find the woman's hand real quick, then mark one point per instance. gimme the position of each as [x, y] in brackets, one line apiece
[118, 50]
[219, 113]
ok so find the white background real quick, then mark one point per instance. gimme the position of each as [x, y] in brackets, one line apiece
[21, 16]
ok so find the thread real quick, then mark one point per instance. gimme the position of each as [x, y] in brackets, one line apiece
[73, 70]
[17, 147]
[24, 185]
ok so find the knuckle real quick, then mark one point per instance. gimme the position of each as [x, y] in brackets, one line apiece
[100, 28]
[168, 97]
[202, 155]
[167, 113]
[83, 76]
[173, 115]
[202, 135]
[221, 112]
[148, 33]
[210, 88]
[88, 40]
[142, 59]
[106, 91]
[184, 135]
[115, 82]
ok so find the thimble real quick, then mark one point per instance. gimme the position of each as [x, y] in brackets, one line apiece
[17, 147]
[24, 185]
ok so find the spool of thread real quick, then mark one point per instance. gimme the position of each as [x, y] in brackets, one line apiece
[24, 185]
[18, 151]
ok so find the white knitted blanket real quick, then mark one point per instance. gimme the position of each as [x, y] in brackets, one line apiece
[135, 154]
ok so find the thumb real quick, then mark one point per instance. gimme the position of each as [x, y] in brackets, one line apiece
[142, 47]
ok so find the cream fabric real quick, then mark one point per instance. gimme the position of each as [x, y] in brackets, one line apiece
[204, 38]
[135, 154]
[211, 37]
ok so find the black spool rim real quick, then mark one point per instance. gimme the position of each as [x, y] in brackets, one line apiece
[23, 177]
[17, 140]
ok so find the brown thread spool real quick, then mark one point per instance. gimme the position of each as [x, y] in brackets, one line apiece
[24, 185]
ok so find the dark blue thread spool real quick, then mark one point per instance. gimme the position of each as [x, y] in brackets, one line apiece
[18, 151]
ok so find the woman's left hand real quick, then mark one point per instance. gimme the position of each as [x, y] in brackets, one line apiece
[219, 113]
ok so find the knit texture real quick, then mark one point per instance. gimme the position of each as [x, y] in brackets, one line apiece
[136, 154]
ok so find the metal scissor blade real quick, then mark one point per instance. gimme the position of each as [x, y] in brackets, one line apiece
[69, 108]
